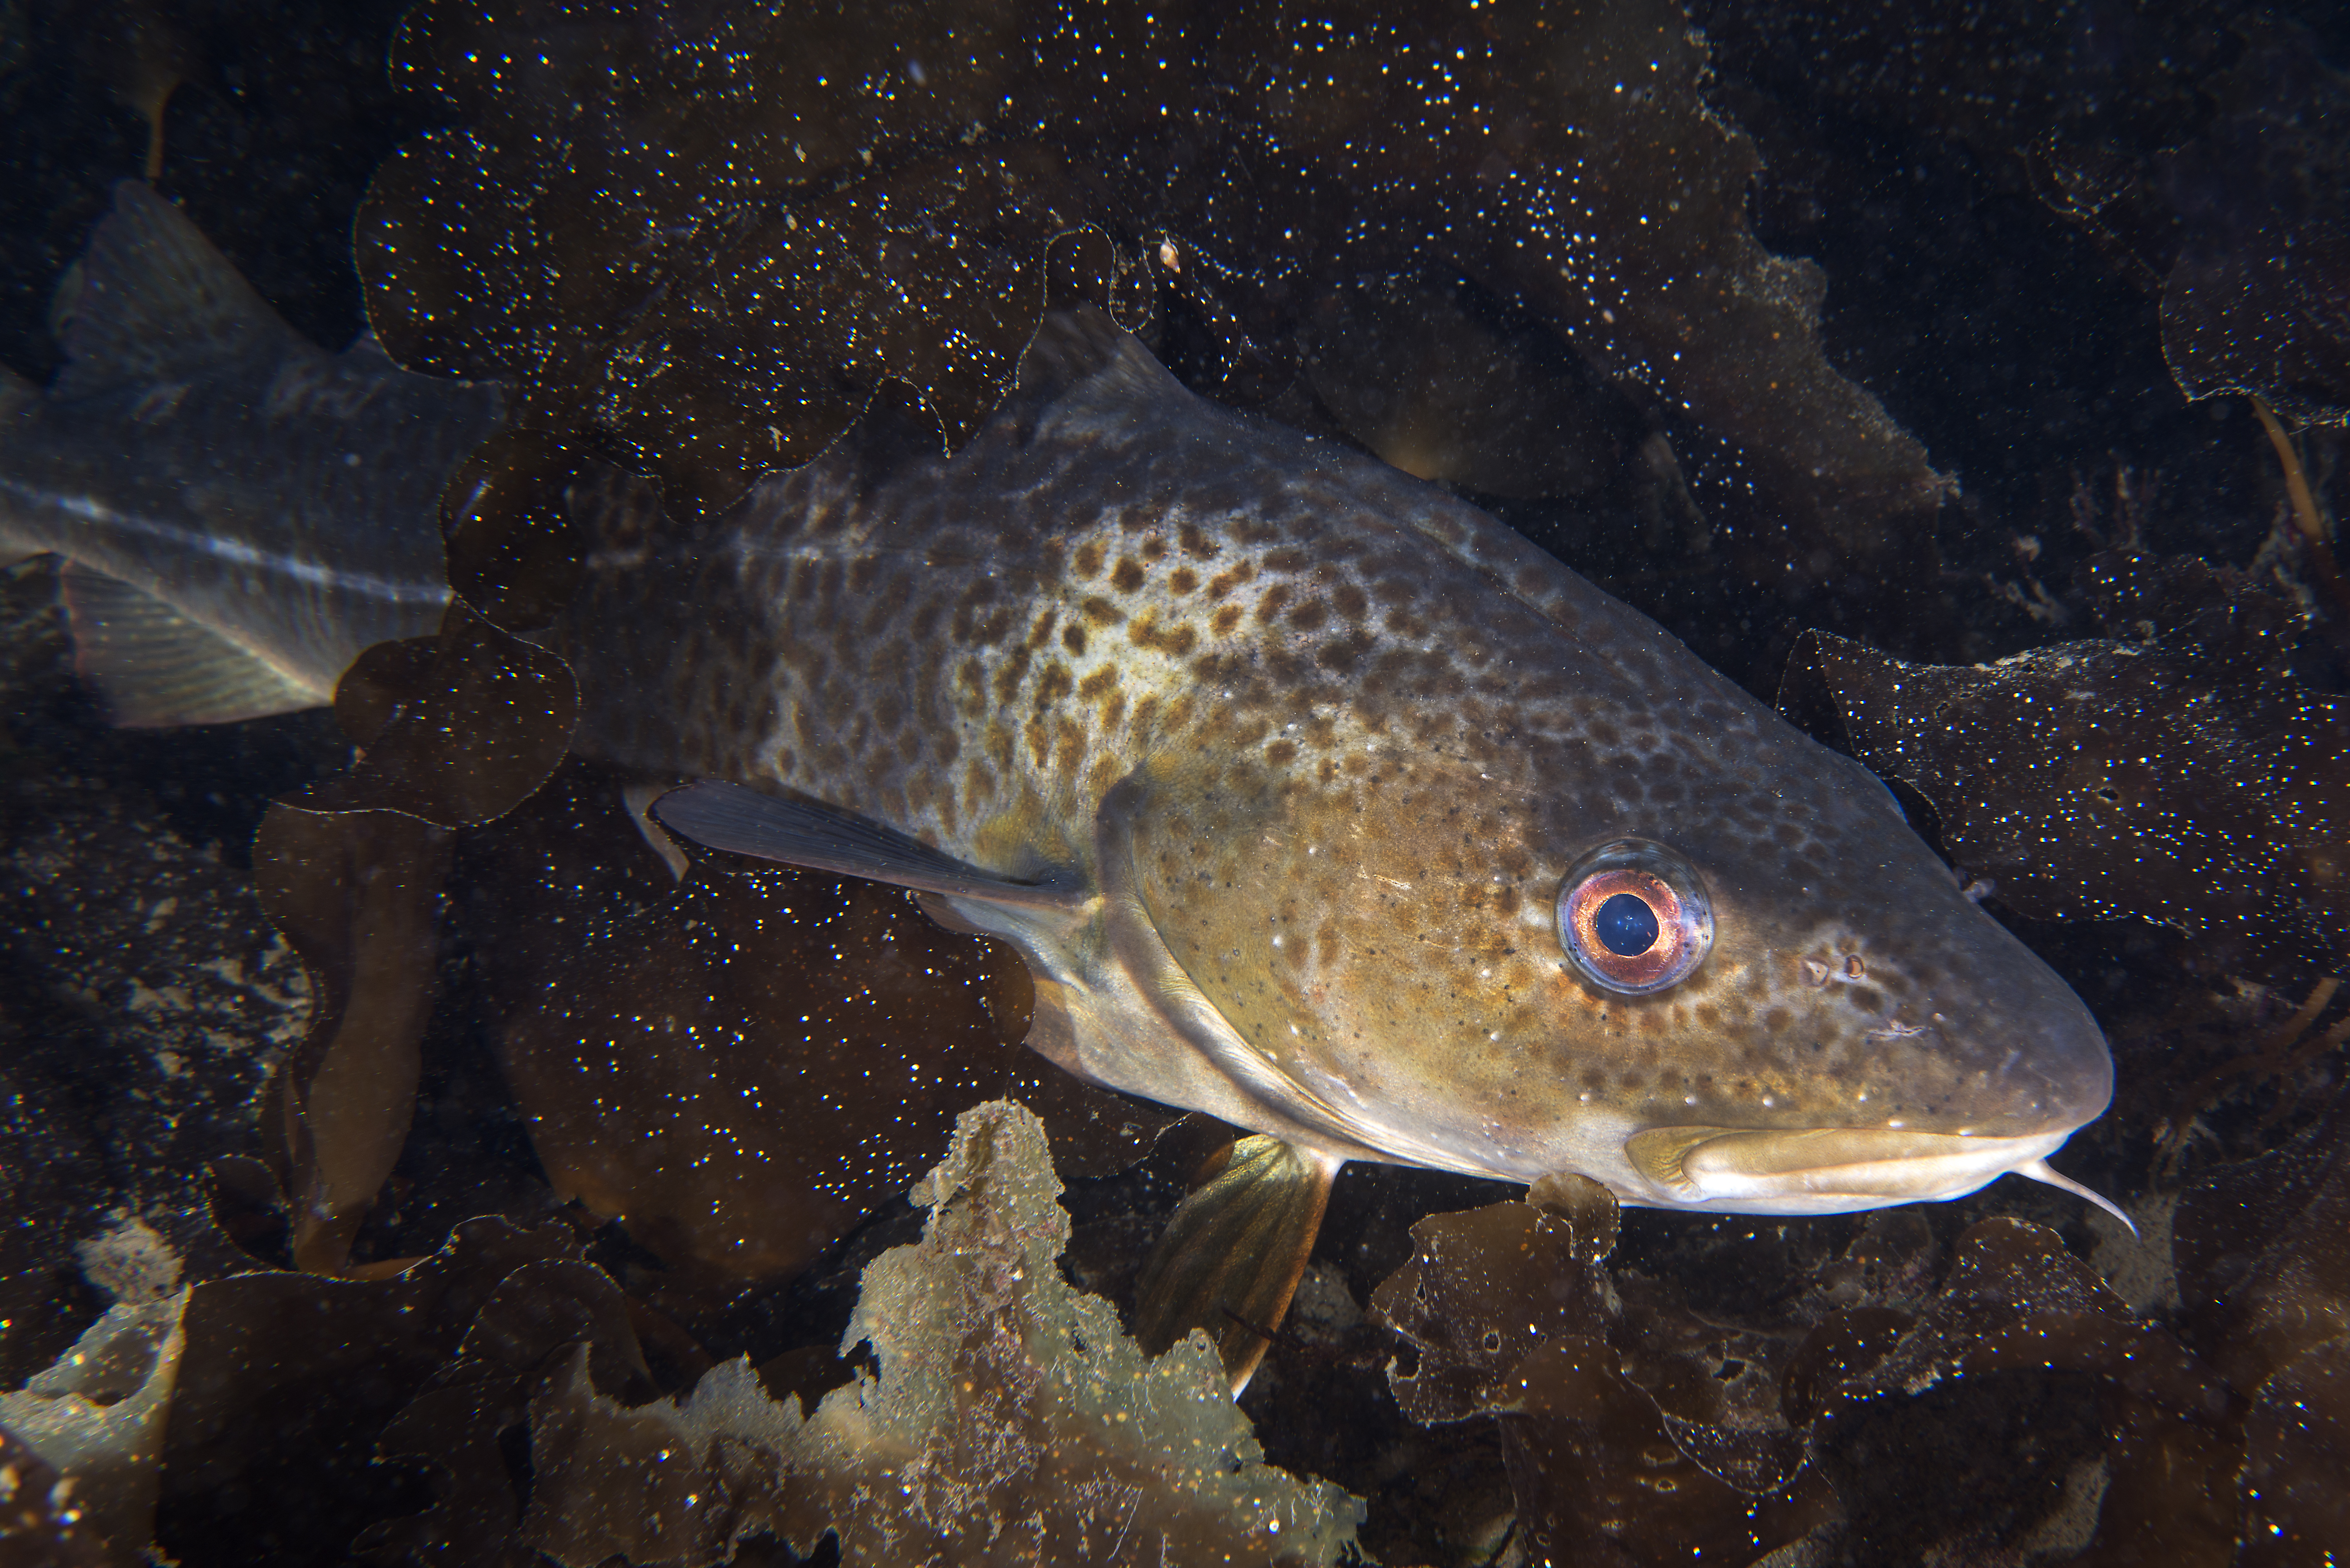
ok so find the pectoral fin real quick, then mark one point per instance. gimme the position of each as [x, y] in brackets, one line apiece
[1233, 1252]
[638, 799]
[729, 817]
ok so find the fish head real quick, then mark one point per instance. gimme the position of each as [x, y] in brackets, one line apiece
[1645, 931]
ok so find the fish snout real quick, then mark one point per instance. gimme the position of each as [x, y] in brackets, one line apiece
[1994, 1090]
[2029, 1062]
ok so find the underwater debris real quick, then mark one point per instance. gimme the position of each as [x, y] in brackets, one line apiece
[2182, 776]
[707, 252]
[1010, 1420]
[131, 1263]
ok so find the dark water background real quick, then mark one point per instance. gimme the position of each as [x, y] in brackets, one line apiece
[1923, 161]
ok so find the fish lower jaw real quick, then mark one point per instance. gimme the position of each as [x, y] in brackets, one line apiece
[1819, 1170]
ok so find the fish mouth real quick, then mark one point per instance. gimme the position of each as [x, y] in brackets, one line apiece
[1826, 1170]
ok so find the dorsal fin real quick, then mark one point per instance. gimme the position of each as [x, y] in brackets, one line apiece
[1070, 344]
[152, 300]
[1080, 353]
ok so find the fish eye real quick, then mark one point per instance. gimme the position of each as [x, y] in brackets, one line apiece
[1634, 916]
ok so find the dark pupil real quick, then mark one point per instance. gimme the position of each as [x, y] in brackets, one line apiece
[1625, 926]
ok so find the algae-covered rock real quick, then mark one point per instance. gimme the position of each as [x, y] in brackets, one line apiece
[1010, 1420]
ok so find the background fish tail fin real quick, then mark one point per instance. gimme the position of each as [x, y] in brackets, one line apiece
[151, 300]
[157, 668]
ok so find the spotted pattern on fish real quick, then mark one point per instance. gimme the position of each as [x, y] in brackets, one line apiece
[1371, 729]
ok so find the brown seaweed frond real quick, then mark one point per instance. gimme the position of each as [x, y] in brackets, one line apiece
[2304, 503]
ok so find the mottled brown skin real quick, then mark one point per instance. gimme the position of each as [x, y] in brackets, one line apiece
[1334, 738]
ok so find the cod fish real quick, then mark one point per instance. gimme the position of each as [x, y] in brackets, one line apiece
[1322, 803]
[1315, 799]
[241, 512]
